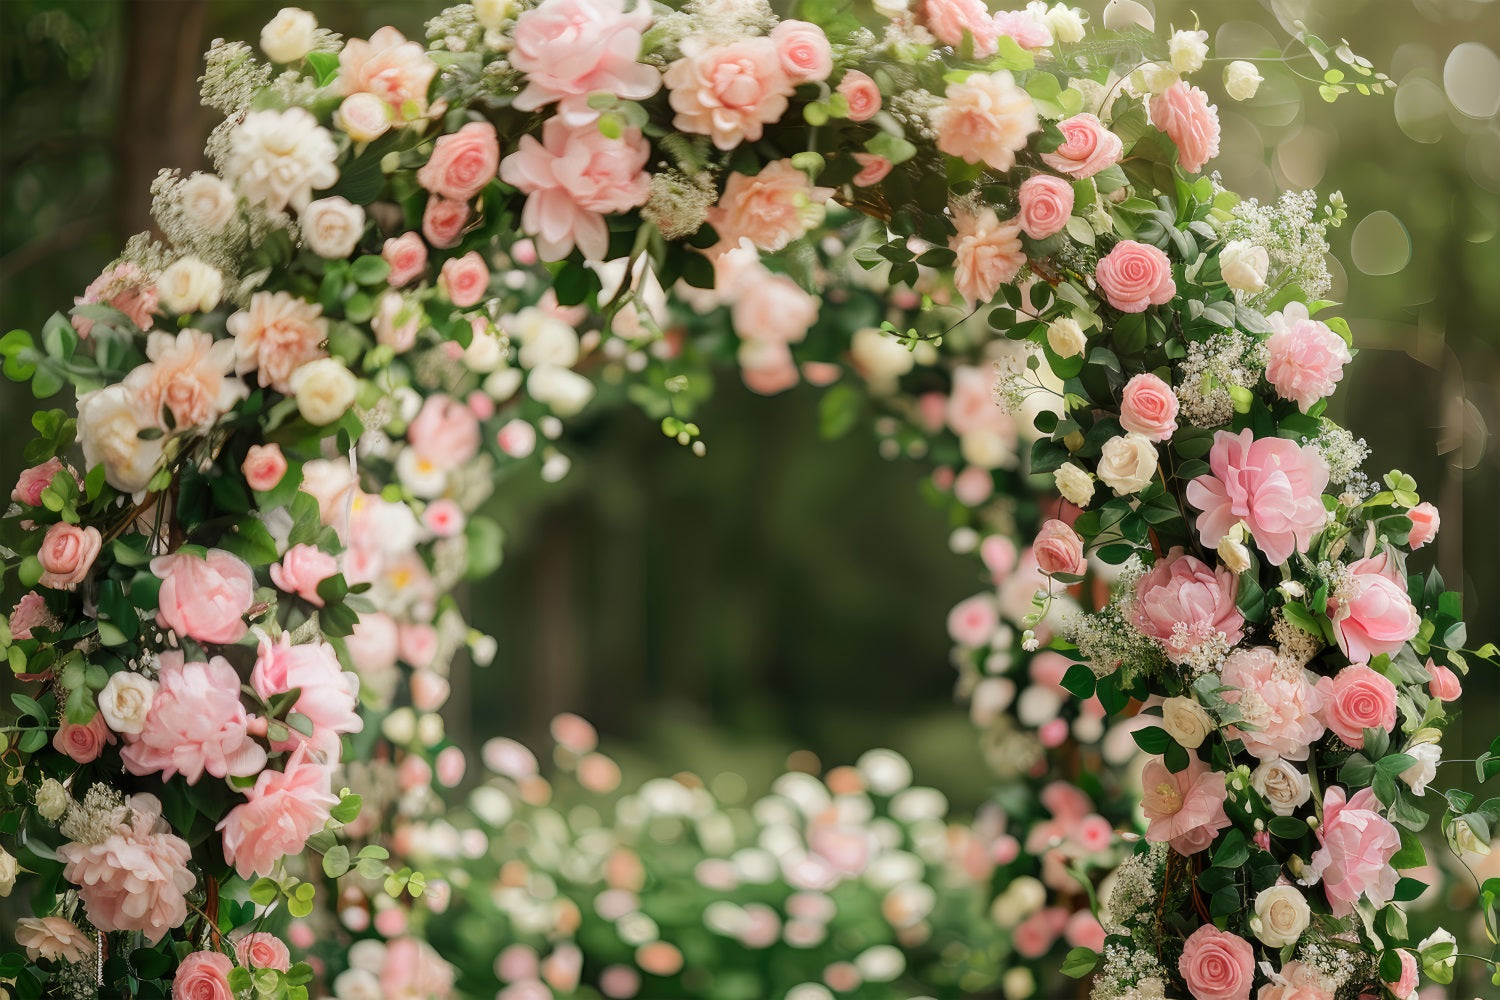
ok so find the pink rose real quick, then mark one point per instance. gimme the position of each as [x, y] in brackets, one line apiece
[1277, 701]
[1183, 602]
[1035, 935]
[973, 486]
[1217, 965]
[444, 518]
[1444, 685]
[262, 950]
[1405, 986]
[805, 54]
[771, 208]
[985, 119]
[390, 67]
[988, 252]
[573, 178]
[1355, 699]
[372, 646]
[517, 438]
[1135, 276]
[1306, 358]
[204, 598]
[569, 49]
[301, 570]
[465, 279]
[196, 723]
[417, 644]
[1046, 204]
[264, 467]
[1059, 549]
[276, 335]
[1183, 112]
[862, 95]
[444, 432]
[31, 612]
[124, 287]
[1149, 406]
[32, 481]
[283, 810]
[778, 311]
[407, 255]
[67, 554]
[462, 162]
[973, 621]
[1424, 524]
[950, 20]
[1355, 859]
[147, 894]
[1274, 485]
[1371, 612]
[329, 695]
[1185, 809]
[443, 221]
[83, 743]
[204, 975]
[189, 376]
[729, 92]
[1088, 147]
[872, 169]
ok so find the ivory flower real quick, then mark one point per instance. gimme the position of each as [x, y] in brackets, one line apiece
[1186, 721]
[289, 36]
[189, 285]
[1241, 80]
[1281, 915]
[324, 389]
[331, 227]
[1127, 463]
[277, 158]
[126, 701]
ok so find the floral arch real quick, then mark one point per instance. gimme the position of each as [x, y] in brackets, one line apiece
[412, 265]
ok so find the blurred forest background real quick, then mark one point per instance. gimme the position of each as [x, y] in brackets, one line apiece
[786, 593]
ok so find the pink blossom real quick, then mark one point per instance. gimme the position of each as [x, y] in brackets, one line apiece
[1355, 699]
[390, 67]
[973, 486]
[778, 311]
[862, 95]
[124, 287]
[985, 119]
[998, 553]
[443, 221]
[413, 969]
[301, 570]
[971, 407]
[1059, 549]
[1034, 936]
[1182, 601]
[462, 162]
[1183, 112]
[189, 376]
[1371, 612]
[137, 878]
[283, 810]
[1046, 203]
[1306, 358]
[517, 438]
[1149, 406]
[767, 366]
[203, 975]
[872, 169]
[30, 612]
[1217, 965]
[262, 950]
[771, 208]
[805, 54]
[204, 597]
[443, 518]
[1024, 28]
[1185, 809]
[264, 467]
[418, 644]
[67, 554]
[1405, 986]
[372, 647]
[1444, 685]
[569, 49]
[729, 92]
[988, 252]
[196, 723]
[1295, 981]
[950, 20]
[1424, 524]
[407, 256]
[1274, 485]
[1088, 147]
[1355, 859]
[32, 481]
[973, 621]
[278, 333]
[444, 432]
[1135, 276]
[573, 178]
[1278, 702]
[465, 280]
[83, 742]
[329, 695]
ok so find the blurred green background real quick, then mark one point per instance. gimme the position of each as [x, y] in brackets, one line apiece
[785, 593]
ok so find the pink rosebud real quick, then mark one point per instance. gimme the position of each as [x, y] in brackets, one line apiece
[465, 279]
[1149, 406]
[418, 644]
[67, 553]
[32, 481]
[806, 56]
[407, 255]
[517, 438]
[1084, 931]
[450, 766]
[872, 169]
[1053, 733]
[391, 922]
[262, 950]
[1135, 276]
[1059, 549]
[1088, 147]
[444, 518]
[83, 743]
[1444, 685]
[263, 467]
[998, 553]
[480, 404]
[30, 612]
[1046, 204]
[429, 690]
[1424, 524]
[204, 975]
[1217, 965]
[462, 162]
[862, 94]
[1355, 699]
[301, 570]
[443, 221]
[444, 433]
[973, 486]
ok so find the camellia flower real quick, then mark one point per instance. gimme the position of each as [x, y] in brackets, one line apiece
[135, 879]
[1185, 809]
[196, 723]
[284, 809]
[1355, 859]
[1274, 485]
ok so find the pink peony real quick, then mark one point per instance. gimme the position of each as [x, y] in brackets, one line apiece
[1217, 965]
[1035, 935]
[1183, 112]
[67, 554]
[1185, 809]
[805, 54]
[1149, 406]
[989, 254]
[136, 879]
[1424, 524]
[443, 221]
[862, 95]
[189, 376]
[52, 939]
[1355, 859]
[1280, 705]
[203, 975]
[301, 570]
[767, 367]
[1025, 28]
[1274, 485]
[1046, 203]
[412, 969]
[770, 208]
[1182, 602]
[390, 67]
[1405, 986]
[329, 695]
[1295, 981]
[729, 92]
[283, 810]
[985, 119]
[264, 467]
[204, 597]
[1306, 358]
[261, 950]
[462, 162]
[444, 432]
[973, 621]
[196, 723]
[407, 256]
[1135, 276]
[872, 169]
[1088, 147]
[1355, 699]
[32, 481]
[83, 743]
[31, 612]
[950, 20]
[279, 333]
[1444, 685]
[465, 280]
[1059, 549]
[1370, 611]
[569, 49]
[573, 178]
[777, 311]
[124, 287]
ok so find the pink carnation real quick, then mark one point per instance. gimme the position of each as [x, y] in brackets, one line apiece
[862, 95]
[1088, 147]
[1183, 112]
[1185, 809]
[203, 975]
[407, 256]
[1058, 549]
[770, 208]
[1274, 485]
[950, 20]
[1046, 203]
[985, 119]
[1355, 859]
[262, 950]
[278, 333]
[1306, 358]
[1355, 699]
[444, 433]
[805, 54]
[390, 67]
[569, 49]
[1278, 702]
[137, 878]
[196, 723]
[32, 481]
[1149, 406]
[204, 597]
[1135, 276]
[1425, 522]
[1371, 612]
[988, 253]
[124, 287]
[301, 570]
[973, 621]
[462, 162]
[465, 280]
[329, 695]
[1182, 602]
[1217, 965]
[264, 466]
[573, 178]
[283, 810]
[729, 92]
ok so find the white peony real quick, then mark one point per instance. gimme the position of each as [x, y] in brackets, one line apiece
[1281, 915]
[109, 424]
[1066, 337]
[1186, 721]
[125, 700]
[1241, 80]
[277, 158]
[52, 800]
[207, 201]
[331, 227]
[1128, 463]
[324, 389]
[189, 285]
[562, 389]
[1420, 774]
[1188, 50]
[1075, 484]
[1244, 266]
[289, 36]
[1281, 785]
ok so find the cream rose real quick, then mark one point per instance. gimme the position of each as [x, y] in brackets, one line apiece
[189, 285]
[1233, 552]
[880, 357]
[1281, 785]
[1241, 80]
[331, 227]
[52, 800]
[1281, 915]
[109, 425]
[1128, 463]
[1065, 23]
[1186, 721]
[1244, 266]
[125, 700]
[562, 389]
[289, 36]
[1075, 484]
[9, 868]
[1188, 50]
[208, 201]
[1066, 338]
[1425, 769]
[324, 389]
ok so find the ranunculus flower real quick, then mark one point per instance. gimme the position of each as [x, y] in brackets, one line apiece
[51, 939]
[973, 621]
[1355, 699]
[278, 333]
[302, 569]
[83, 742]
[1355, 859]
[1371, 612]
[462, 162]
[1135, 276]
[1274, 485]
[264, 466]
[1276, 699]
[1088, 147]
[465, 279]
[137, 878]
[950, 20]
[390, 67]
[862, 95]
[985, 119]
[204, 598]
[443, 221]
[444, 432]
[1425, 522]
[770, 209]
[988, 252]
[1046, 203]
[569, 49]
[1149, 406]
[729, 92]
[1074, 484]
[1306, 358]
[283, 810]
[1182, 602]
[1185, 809]
[1059, 549]
[1281, 915]
[196, 723]
[203, 975]
[329, 694]
[262, 950]
[1217, 965]
[1127, 463]
[190, 376]
[67, 554]
[805, 54]
[1066, 337]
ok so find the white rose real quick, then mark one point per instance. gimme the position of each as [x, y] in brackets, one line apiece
[1066, 338]
[125, 700]
[1121, 15]
[1128, 463]
[189, 285]
[492, 13]
[1075, 485]
[9, 867]
[1466, 839]
[1425, 769]
[1281, 785]
[1188, 49]
[562, 389]
[289, 36]
[1241, 80]
[1153, 78]
[544, 339]
[485, 353]
[880, 357]
[109, 425]
[52, 800]
[1244, 266]
[332, 226]
[1186, 721]
[324, 389]
[1066, 22]
[988, 449]
[1234, 552]
[1281, 915]
[1437, 937]
[364, 117]
[208, 201]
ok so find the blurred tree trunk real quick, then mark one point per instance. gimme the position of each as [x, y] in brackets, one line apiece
[557, 628]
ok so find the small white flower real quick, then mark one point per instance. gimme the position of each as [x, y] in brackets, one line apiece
[562, 389]
[289, 36]
[1232, 549]
[1066, 337]
[1066, 22]
[125, 700]
[1244, 266]
[1075, 484]
[1121, 15]
[1241, 80]
[1425, 769]
[1188, 50]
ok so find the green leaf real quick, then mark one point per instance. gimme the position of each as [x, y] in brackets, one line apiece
[1233, 852]
[1079, 962]
[347, 809]
[1152, 739]
[370, 269]
[336, 861]
[1079, 681]
[325, 65]
[838, 412]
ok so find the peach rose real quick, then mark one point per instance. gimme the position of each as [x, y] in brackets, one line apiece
[465, 279]
[443, 221]
[462, 162]
[1135, 276]
[770, 209]
[67, 553]
[124, 287]
[390, 67]
[988, 252]
[204, 597]
[53, 938]
[31, 482]
[1046, 204]
[190, 376]
[729, 92]
[1425, 523]
[872, 169]
[1217, 965]
[203, 975]
[1059, 549]
[569, 49]
[1355, 699]
[1183, 112]
[950, 20]
[407, 256]
[862, 94]
[985, 119]
[1088, 147]
[282, 810]
[262, 950]
[82, 742]
[1149, 406]
[264, 466]
[805, 54]
[276, 335]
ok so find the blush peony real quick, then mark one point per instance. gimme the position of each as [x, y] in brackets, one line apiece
[985, 119]
[1183, 602]
[390, 67]
[950, 20]
[444, 433]
[190, 376]
[1217, 965]
[276, 335]
[1355, 857]
[1306, 358]
[1185, 809]
[329, 695]
[1274, 485]
[729, 92]
[283, 810]
[135, 879]
[988, 252]
[1371, 611]
[1280, 706]
[569, 49]
[204, 597]
[196, 723]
